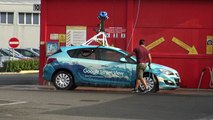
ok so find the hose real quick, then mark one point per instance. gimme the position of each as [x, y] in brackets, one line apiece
[201, 77]
[211, 77]
[136, 21]
[211, 81]
[153, 77]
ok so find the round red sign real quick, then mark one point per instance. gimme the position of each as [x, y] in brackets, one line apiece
[13, 42]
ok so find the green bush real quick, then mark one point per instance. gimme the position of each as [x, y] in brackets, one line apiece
[18, 65]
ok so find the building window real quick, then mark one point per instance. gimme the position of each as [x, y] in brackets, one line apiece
[10, 18]
[35, 18]
[21, 18]
[6, 17]
[29, 18]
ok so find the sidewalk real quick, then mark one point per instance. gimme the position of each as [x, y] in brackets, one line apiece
[188, 91]
[180, 91]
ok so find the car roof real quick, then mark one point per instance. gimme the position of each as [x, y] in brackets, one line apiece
[88, 46]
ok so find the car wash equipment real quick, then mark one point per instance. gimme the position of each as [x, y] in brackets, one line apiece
[211, 77]
[211, 81]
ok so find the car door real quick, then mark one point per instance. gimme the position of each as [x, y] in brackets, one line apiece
[114, 72]
[85, 66]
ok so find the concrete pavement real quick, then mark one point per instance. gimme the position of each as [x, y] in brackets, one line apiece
[180, 91]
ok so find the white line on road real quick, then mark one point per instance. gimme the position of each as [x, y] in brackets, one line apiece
[12, 103]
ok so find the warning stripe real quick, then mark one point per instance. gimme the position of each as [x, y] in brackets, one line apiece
[13, 42]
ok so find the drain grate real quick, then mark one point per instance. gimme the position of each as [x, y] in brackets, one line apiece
[59, 104]
[89, 100]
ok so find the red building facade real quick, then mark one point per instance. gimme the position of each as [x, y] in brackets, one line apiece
[178, 33]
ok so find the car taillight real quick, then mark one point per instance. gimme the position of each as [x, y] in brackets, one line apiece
[50, 60]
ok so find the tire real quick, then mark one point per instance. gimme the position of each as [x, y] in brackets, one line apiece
[63, 80]
[151, 82]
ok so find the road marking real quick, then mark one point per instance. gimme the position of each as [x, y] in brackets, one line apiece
[12, 102]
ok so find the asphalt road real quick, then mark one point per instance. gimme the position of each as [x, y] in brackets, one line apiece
[23, 99]
[18, 79]
[93, 105]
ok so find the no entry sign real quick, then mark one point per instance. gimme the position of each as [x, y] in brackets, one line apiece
[13, 42]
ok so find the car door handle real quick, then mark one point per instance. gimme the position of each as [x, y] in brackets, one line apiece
[104, 66]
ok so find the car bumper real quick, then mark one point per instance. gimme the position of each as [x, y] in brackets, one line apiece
[48, 72]
[168, 83]
[163, 86]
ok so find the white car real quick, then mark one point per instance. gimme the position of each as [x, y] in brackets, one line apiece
[4, 58]
[27, 52]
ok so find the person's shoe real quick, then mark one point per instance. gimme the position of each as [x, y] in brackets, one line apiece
[135, 91]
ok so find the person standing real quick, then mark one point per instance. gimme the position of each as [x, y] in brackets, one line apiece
[142, 55]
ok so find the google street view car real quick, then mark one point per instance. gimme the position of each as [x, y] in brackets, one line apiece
[92, 65]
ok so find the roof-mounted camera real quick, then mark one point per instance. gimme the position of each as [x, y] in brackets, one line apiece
[102, 17]
[101, 36]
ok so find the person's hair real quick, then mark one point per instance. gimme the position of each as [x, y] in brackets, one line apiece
[141, 42]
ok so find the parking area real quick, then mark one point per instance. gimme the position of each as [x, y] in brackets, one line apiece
[180, 91]
[45, 103]
[25, 99]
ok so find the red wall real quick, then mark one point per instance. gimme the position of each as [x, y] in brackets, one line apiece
[189, 21]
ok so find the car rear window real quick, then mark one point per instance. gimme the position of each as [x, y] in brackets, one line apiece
[72, 53]
[56, 52]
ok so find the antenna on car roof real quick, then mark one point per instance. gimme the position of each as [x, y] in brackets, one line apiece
[101, 37]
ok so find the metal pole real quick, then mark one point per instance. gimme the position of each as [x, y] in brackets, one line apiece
[13, 54]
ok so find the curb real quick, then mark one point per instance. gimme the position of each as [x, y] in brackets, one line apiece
[21, 72]
[28, 71]
[181, 91]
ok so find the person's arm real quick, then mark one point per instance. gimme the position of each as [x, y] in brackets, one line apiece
[150, 60]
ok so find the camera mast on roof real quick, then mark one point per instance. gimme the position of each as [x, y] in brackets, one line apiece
[101, 36]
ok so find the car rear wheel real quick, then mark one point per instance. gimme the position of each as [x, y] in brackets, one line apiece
[63, 80]
[151, 82]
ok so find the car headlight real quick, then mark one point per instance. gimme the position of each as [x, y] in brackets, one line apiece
[167, 72]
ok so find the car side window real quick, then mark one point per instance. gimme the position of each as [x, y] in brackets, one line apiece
[28, 54]
[82, 53]
[109, 55]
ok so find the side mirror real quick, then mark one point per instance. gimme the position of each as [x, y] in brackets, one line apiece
[123, 60]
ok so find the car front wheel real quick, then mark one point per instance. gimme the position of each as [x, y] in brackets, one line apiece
[63, 80]
[151, 82]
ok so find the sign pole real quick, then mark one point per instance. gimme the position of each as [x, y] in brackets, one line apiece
[13, 43]
[13, 53]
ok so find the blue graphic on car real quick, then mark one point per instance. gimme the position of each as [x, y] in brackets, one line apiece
[74, 66]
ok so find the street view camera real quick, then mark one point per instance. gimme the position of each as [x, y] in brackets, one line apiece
[102, 17]
[101, 37]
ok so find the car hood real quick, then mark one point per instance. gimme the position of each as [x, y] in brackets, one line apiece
[6, 58]
[155, 66]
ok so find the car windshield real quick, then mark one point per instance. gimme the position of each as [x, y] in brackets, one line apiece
[4, 53]
[10, 53]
